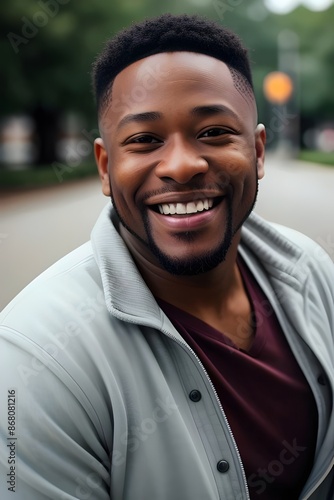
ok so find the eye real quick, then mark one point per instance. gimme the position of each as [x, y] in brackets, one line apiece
[214, 132]
[144, 139]
[142, 143]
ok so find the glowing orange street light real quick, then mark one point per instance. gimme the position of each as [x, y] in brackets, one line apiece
[278, 87]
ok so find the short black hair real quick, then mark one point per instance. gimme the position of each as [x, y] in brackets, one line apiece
[169, 33]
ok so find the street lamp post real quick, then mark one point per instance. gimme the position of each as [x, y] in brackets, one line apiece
[281, 89]
[289, 62]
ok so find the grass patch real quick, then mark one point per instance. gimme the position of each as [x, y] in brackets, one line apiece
[317, 157]
[47, 175]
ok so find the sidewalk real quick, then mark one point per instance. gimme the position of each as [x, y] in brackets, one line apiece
[39, 226]
[300, 195]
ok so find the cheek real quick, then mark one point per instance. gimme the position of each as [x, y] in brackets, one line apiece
[126, 180]
[240, 173]
[121, 194]
[236, 169]
[122, 178]
[132, 176]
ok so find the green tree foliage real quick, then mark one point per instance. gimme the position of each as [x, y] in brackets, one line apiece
[316, 40]
[47, 48]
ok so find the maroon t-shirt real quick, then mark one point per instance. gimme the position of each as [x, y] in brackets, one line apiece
[266, 398]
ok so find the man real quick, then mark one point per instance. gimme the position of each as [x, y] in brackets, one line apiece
[186, 352]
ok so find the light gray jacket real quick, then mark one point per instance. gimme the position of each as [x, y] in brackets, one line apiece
[95, 380]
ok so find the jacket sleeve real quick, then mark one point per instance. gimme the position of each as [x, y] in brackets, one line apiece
[51, 446]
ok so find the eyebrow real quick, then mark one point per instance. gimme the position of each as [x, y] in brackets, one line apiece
[213, 109]
[201, 111]
[148, 116]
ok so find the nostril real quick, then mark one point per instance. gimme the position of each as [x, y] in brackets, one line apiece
[182, 167]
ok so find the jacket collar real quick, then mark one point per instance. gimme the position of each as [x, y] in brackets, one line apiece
[127, 295]
[129, 298]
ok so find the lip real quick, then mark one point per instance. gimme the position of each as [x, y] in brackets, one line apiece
[183, 223]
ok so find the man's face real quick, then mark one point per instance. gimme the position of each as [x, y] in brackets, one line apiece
[180, 155]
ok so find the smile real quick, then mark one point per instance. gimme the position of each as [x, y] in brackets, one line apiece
[192, 207]
[192, 215]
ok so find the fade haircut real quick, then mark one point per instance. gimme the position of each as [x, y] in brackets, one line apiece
[170, 33]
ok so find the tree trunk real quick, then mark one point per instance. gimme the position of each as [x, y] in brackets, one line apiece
[46, 131]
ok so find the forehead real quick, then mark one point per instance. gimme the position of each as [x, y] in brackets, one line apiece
[178, 78]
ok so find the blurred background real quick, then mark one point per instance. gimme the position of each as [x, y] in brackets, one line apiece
[49, 190]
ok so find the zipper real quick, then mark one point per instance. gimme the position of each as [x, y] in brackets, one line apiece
[184, 344]
[299, 355]
[302, 362]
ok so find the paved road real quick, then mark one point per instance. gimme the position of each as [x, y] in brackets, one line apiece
[300, 195]
[38, 227]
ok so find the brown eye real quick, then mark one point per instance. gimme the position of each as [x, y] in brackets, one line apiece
[144, 139]
[213, 132]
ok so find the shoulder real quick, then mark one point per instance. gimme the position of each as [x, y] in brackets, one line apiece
[51, 296]
[297, 274]
[300, 240]
[51, 326]
[288, 254]
[282, 241]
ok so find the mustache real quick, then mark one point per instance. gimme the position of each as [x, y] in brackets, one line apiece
[197, 186]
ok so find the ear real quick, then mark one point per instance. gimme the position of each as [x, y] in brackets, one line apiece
[101, 158]
[260, 142]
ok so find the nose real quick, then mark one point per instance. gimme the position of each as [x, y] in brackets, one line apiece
[181, 162]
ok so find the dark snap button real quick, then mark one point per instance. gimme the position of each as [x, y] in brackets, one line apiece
[195, 396]
[223, 466]
[322, 380]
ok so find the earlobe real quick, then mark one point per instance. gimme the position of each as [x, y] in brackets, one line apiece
[260, 142]
[101, 158]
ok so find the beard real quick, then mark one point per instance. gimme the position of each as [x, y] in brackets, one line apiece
[192, 265]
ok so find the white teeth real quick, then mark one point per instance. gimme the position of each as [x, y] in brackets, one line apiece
[185, 208]
[191, 208]
[181, 208]
[200, 206]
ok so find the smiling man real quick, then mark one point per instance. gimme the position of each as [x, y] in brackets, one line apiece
[185, 161]
[187, 351]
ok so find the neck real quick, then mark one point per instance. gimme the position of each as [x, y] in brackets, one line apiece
[204, 293]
